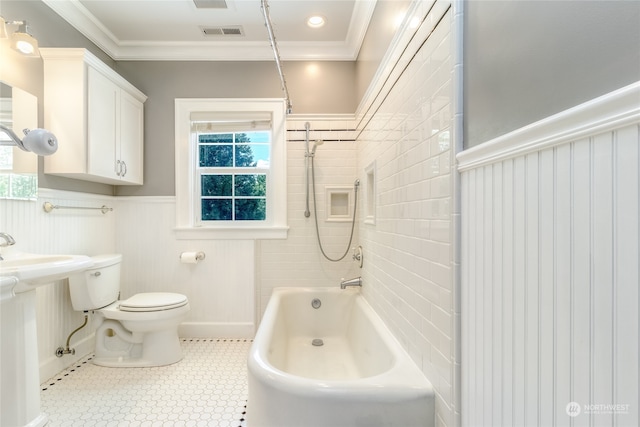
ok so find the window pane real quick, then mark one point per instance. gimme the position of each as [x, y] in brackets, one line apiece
[251, 209]
[252, 155]
[264, 137]
[23, 186]
[216, 138]
[216, 156]
[6, 158]
[228, 196]
[216, 210]
[4, 185]
[251, 185]
[216, 185]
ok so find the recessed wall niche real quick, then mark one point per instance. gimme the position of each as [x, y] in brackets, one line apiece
[339, 203]
[370, 194]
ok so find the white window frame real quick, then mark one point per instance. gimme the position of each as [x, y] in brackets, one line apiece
[275, 227]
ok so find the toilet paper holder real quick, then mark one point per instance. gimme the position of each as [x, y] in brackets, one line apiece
[199, 256]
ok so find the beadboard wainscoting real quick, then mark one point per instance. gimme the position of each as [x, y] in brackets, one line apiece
[64, 231]
[220, 288]
[550, 270]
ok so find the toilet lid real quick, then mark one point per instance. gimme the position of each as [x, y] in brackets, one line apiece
[153, 301]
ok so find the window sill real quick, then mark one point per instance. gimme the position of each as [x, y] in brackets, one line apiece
[227, 233]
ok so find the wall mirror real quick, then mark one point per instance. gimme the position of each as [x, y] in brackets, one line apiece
[18, 169]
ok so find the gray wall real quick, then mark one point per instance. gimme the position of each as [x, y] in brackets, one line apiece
[27, 73]
[315, 88]
[524, 61]
[322, 87]
[527, 60]
[376, 42]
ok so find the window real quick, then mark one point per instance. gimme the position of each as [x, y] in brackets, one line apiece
[232, 172]
[230, 169]
[14, 184]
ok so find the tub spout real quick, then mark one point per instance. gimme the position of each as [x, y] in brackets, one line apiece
[356, 281]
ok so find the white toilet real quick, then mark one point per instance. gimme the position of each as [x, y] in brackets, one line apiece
[140, 331]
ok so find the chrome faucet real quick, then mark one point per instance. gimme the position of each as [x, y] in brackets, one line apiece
[8, 241]
[356, 281]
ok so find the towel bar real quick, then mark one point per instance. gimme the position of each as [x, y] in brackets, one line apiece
[48, 207]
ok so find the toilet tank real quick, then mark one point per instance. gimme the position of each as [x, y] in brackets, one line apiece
[97, 286]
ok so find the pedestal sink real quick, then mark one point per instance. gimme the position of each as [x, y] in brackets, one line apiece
[20, 275]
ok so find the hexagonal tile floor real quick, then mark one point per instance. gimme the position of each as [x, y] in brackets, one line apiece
[207, 388]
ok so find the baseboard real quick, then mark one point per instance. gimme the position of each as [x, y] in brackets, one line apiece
[216, 330]
[53, 365]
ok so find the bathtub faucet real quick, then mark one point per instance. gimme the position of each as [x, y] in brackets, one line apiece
[357, 281]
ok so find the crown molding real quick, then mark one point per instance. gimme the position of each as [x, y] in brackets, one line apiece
[82, 20]
[86, 23]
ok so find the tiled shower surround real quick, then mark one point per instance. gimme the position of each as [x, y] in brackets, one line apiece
[297, 261]
[409, 264]
[409, 269]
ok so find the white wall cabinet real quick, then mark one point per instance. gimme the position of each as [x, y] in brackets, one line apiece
[97, 116]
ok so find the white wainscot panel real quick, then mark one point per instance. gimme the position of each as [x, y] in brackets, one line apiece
[220, 288]
[550, 270]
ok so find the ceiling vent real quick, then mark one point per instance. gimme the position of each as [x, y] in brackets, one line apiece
[210, 4]
[229, 30]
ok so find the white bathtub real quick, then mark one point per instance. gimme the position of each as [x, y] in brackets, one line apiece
[359, 377]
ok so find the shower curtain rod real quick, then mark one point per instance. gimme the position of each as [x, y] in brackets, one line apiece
[276, 53]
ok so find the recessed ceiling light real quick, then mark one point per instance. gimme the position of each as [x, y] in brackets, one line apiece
[316, 21]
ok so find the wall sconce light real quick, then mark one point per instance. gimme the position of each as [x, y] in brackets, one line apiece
[21, 40]
[38, 141]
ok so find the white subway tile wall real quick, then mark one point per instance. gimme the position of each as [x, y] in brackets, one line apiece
[408, 274]
[298, 261]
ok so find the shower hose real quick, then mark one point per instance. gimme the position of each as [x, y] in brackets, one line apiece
[315, 216]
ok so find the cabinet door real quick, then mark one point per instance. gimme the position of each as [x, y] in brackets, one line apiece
[102, 122]
[131, 139]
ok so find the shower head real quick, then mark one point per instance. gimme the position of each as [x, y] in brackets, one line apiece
[315, 145]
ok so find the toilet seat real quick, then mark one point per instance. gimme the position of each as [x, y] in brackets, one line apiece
[153, 301]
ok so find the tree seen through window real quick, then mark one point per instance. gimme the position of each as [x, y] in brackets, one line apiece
[232, 185]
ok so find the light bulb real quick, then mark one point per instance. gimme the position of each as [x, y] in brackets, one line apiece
[316, 21]
[24, 42]
[24, 47]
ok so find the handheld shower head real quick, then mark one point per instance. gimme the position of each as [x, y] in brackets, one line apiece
[315, 145]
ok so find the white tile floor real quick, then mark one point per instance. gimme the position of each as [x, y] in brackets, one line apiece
[207, 388]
